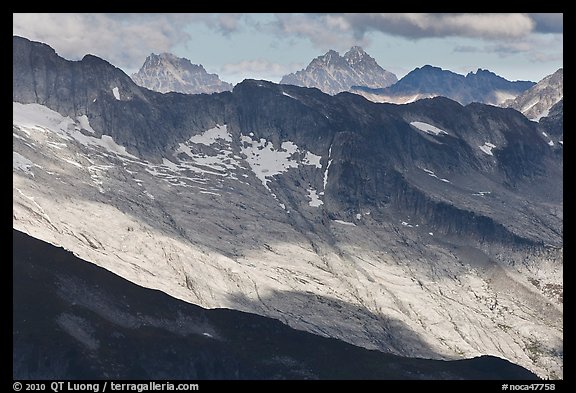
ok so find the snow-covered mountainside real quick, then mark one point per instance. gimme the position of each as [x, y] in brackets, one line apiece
[150, 335]
[537, 101]
[333, 73]
[425, 82]
[166, 72]
[422, 230]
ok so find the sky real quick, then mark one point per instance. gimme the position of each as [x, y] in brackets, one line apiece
[517, 46]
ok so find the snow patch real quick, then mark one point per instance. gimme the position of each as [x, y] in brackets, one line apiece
[428, 128]
[288, 95]
[550, 143]
[358, 216]
[211, 136]
[431, 173]
[315, 201]
[487, 148]
[35, 117]
[116, 93]
[266, 161]
[210, 193]
[345, 223]
[312, 159]
[328, 167]
[83, 120]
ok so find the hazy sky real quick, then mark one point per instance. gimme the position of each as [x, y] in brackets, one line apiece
[268, 46]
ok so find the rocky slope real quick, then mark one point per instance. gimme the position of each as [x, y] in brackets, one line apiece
[425, 82]
[537, 101]
[67, 311]
[166, 72]
[333, 73]
[423, 230]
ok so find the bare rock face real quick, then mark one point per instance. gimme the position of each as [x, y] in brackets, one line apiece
[333, 73]
[168, 73]
[537, 102]
[423, 230]
[150, 335]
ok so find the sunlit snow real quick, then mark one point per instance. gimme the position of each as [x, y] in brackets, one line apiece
[267, 161]
[428, 128]
[487, 148]
[83, 120]
[288, 95]
[345, 223]
[327, 167]
[38, 118]
[116, 93]
[431, 173]
[315, 201]
[212, 135]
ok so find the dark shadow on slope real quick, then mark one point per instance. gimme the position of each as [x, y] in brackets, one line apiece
[350, 322]
[74, 320]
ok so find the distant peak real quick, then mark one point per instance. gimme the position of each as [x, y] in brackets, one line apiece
[330, 54]
[481, 71]
[356, 49]
[167, 72]
[333, 73]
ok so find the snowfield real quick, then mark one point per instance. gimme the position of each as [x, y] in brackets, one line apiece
[428, 128]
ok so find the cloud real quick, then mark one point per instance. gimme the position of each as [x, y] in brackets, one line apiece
[258, 69]
[488, 26]
[346, 29]
[548, 23]
[324, 31]
[123, 39]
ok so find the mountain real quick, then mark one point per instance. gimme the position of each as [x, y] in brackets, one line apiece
[553, 122]
[166, 72]
[429, 230]
[537, 101]
[68, 314]
[333, 73]
[425, 82]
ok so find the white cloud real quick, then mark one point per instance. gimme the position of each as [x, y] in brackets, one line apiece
[324, 31]
[536, 48]
[256, 69]
[123, 39]
[330, 29]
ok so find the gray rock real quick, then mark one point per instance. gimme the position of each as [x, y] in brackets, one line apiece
[168, 73]
[333, 73]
